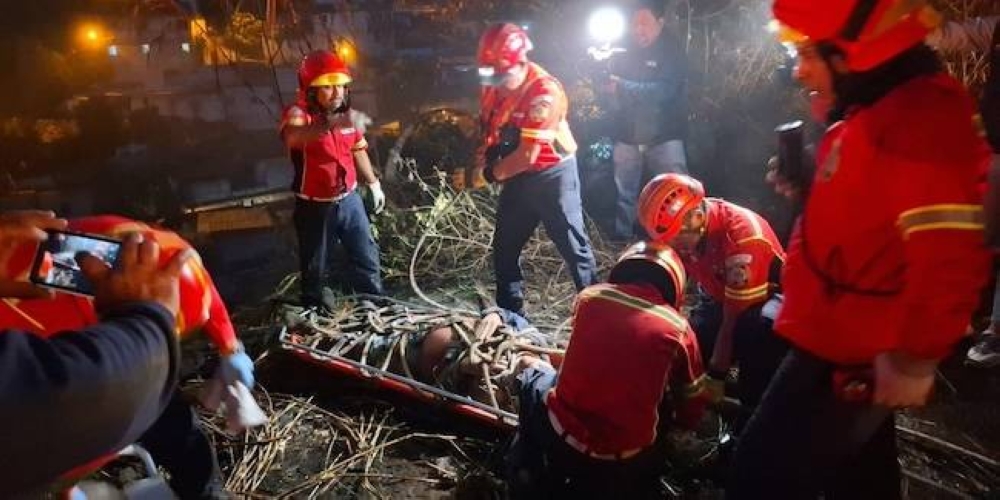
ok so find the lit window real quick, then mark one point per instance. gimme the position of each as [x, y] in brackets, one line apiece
[145, 48]
[186, 47]
[113, 50]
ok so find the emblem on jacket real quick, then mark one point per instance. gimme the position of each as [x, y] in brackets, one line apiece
[832, 161]
[541, 106]
[738, 270]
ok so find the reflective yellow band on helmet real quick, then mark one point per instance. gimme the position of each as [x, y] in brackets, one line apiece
[786, 34]
[330, 80]
[635, 303]
[946, 216]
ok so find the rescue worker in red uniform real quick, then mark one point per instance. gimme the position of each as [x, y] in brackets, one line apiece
[887, 259]
[330, 155]
[175, 441]
[736, 258]
[526, 145]
[73, 397]
[632, 369]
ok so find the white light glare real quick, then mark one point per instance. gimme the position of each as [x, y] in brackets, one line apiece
[487, 71]
[606, 25]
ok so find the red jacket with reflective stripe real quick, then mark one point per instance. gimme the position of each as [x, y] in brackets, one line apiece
[538, 109]
[889, 254]
[324, 168]
[733, 262]
[627, 348]
[201, 305]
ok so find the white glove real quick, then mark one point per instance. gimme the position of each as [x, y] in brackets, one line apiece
[378, 197]
[235, 402]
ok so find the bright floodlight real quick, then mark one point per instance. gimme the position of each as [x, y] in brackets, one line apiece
[606, 25]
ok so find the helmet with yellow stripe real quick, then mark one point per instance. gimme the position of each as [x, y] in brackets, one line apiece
[868, 32]
[653, 263]
[323, 68]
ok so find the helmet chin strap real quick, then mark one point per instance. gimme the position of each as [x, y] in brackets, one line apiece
[865, 88]
[314, 107]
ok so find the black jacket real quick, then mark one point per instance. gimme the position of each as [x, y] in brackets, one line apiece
[77, 396]
[648, 103]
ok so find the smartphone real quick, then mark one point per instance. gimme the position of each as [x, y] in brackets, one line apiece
[791, 151]
[55, 263]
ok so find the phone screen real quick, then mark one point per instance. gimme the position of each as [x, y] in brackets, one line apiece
[55, 263]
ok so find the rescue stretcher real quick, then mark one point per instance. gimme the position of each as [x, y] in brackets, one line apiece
[387, 341]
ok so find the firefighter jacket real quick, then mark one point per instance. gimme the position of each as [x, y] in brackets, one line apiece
[627, 348]
[536, 112]
[888, 254]
[648, 104]
[324, 168]
[201, 305]
[739, 258]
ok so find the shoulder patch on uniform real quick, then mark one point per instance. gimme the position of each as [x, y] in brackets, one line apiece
[540, 107]
[738, 270]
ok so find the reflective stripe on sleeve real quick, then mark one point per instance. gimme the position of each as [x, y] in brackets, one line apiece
[946, 216]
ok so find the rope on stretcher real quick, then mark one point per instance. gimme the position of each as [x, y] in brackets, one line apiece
[488, 356]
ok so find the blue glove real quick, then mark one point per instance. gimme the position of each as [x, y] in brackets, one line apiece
[237, 366]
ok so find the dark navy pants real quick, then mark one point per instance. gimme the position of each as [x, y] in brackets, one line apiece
[178, 444]
[756, 348]
[551, 197]
[803, 440]
[320, 226]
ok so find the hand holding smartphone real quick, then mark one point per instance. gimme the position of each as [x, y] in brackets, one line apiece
[55, 265]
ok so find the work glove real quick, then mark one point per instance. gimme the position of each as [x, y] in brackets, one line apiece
[237, 367]
[715, 388]
[234, 401]
[377, 197]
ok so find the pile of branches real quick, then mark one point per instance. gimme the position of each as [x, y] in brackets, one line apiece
[440, 250]
[307, 451]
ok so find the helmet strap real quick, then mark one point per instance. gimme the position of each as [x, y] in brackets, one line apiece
[865, 88]
[313, 106]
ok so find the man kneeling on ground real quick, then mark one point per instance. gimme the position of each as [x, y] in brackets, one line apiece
[591, 431]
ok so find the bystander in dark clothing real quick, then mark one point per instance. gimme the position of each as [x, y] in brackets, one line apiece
[648, 113]
[77, 396]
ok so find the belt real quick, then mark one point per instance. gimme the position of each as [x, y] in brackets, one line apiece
[335, 199]
[584, 449]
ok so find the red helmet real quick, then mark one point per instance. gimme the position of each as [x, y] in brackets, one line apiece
[869, 32]
[670, 275]
[664, 202]
[321, 68]
[503, 46]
